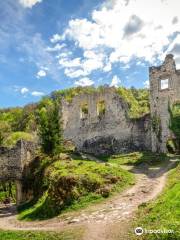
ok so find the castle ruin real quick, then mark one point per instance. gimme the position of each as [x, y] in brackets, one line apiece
[98, 123]
[164, 92]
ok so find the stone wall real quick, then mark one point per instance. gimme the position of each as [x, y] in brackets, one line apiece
[13, 160]
[161, 98]
[109, 132]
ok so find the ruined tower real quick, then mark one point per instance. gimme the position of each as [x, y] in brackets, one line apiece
[164, 91]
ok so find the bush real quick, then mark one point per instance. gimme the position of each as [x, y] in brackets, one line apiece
[14, 137]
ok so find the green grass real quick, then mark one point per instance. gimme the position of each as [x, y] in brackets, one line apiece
[136, 158]
[75, 234]
[75, 184]
[12, 139]
[164, 213]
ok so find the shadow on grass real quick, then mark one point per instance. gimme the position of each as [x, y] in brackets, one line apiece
[151, 164]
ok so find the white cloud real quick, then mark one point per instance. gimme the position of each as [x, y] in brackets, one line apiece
[174, 48]
[37, 94]
[107, 68]
[41, 73]
[77, 67]
[115, 81]
[74, 73]
[92, 64]
[24, 90]
[66, 62]
[35, 49]
[146, 84]
[132, 29]
[56, 48]
[84, 82]
[29, 3]
[56, 38]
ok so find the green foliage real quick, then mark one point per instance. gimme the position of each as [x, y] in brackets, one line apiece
[64, 185]
[70, 234]
[69, 93]
[7, 191]
[156, 126]
[50, 131]
[73, 184]
[164, 213]
[44, 118]
[101, 108]
[15, 122]
[136, 158]
[175, 123]
[138, 100]
[5, 129]
[14, 137]
[171, 146]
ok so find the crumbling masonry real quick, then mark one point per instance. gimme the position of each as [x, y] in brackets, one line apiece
[164, 92]
[112, 131]
[98, 123]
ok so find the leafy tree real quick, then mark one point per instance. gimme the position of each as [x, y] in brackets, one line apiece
[50, 126]
[4, 130]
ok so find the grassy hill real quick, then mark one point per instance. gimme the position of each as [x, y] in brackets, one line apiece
[164, 213]
[69, 183]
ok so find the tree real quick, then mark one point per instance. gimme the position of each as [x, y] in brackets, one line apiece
[4, 131]
[49, 120]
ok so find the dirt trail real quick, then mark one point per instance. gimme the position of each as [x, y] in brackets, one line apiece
[98, 219]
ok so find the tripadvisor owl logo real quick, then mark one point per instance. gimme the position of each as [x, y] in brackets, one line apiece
[138, 231]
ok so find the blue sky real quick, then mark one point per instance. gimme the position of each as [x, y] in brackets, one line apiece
[47, 45]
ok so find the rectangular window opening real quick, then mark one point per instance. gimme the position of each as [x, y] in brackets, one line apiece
[84, 111]
[164, 84]
[101, 108]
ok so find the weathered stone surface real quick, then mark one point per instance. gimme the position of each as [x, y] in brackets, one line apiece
[111, 132]
[13, 160]
[162, 99]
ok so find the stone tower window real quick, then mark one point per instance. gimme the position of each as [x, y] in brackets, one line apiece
[84, 111]
[164, 84]
[101, 108]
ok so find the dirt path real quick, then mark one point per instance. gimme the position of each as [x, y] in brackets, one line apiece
[98, 220]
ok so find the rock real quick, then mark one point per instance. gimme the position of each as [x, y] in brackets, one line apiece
[145, 190]
[105, 191]
[74, 220]
[64, 156]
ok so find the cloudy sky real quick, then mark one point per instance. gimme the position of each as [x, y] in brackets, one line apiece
[54, 44]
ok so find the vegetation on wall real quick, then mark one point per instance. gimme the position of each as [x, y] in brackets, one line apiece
[174, 143]
[43, 118]
[41, 122]
[156, 126]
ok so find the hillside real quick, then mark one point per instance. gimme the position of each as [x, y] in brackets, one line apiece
[17, 123]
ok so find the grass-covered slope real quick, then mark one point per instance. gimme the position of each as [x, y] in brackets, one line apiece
[64, 185]
[70, 184]
[164, 213]
[76, 234]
